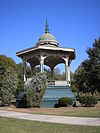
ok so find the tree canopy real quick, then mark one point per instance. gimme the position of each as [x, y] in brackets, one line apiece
[9, 86]
[5, 63]
[87, 76]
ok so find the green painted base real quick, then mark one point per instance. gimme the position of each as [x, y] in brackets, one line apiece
[53, 93]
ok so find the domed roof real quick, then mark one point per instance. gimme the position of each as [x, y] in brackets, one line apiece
[47, 39]
[47, 36]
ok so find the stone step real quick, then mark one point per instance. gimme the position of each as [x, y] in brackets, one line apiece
[53, 93]
[58, 87]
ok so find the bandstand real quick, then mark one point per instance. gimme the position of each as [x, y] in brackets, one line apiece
[47, 52]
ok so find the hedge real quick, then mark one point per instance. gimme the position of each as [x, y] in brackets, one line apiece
[88, 101]
[63, 102]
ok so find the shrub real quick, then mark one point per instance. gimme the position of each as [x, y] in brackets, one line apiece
[35, 90]
[88, 101]
[65, 101]
[9, 86]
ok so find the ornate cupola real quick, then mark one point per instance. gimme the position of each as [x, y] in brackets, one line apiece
[47, 39]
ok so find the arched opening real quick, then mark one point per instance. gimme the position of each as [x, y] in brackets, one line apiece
[28, 70]
[47, 70]
[37, 68]
[34, 63]
[52, 62]
[59, 72]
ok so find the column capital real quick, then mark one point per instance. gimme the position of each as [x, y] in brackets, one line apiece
[66, 61]
[42, 58]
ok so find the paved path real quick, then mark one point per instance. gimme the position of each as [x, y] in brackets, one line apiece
[52, 118]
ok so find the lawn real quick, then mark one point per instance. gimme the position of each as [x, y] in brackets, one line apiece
[65, 111]
[9, 125]
[84, 112]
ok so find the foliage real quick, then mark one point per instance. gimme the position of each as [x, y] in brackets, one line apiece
[9, 86]
[73, 83]
[57, 73]
[48, 73]
[80, 79]
[87, 76]
[64, 101]
[92, 66]
[88, 101]
[5, 63]
[35, 90]
[20, 75]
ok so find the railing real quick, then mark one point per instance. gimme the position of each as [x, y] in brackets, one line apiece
[55, 82]
[52, 82]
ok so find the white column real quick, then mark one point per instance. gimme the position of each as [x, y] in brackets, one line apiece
[24, 71]
[42, 64]
[66, 70]
[69, 73]
[52, 73]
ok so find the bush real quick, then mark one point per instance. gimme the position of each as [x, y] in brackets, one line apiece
[65, 101]
[88, 101]
[9, 86]
[35, 90]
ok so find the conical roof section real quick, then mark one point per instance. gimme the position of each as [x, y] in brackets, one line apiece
[47, 39]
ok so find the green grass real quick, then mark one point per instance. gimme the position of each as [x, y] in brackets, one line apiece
[75, 112]
[95, 113]
[9, 125]
[86, 112]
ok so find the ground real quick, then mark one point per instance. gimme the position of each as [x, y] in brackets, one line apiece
[9, 125]
[66, 111]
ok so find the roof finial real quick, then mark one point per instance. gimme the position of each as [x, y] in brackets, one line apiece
[46, 27]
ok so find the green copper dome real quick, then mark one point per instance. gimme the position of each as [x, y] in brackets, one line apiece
[47, 36]
[47, 39]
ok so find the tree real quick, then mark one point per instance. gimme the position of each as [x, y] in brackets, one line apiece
[73, 84]
[58, 75]
[5, 63]
[20, 75]
[94, 66]
[9, 86]
[80, 80]
[35, 90]
[87, 76]
[48, 73]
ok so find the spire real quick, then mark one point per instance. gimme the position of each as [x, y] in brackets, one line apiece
[46, 27]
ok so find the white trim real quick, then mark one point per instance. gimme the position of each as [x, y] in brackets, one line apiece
[44, 47]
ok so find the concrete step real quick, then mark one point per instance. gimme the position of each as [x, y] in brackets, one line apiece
[58, 87]
[53, 93]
